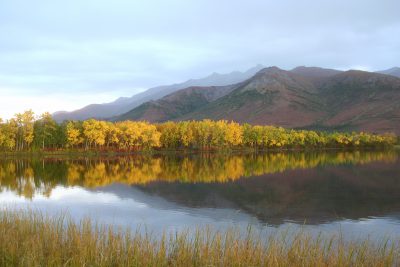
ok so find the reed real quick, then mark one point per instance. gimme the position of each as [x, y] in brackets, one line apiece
[29, 238]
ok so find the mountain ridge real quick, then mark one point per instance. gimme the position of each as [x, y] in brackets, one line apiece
[305, 97]
[395, 71]
[125, 104]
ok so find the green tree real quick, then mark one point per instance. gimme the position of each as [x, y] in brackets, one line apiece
[45, 130]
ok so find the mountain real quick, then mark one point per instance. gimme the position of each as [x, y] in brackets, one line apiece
[99, 111]
[176, 104]
[125, 104]
[272, 96]
[300, 98]
[393, 71]
[359, 100]
[314, 74]
[265, 98]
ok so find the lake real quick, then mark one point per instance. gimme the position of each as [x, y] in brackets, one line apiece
[354, 193]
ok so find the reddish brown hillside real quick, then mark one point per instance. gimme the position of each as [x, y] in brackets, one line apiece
[304, 97]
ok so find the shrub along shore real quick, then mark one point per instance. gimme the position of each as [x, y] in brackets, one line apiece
[25, 132]
[31, 239]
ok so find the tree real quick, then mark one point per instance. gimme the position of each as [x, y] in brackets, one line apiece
[149, 136]
[129, 134]
[45, 129]
[169, 134]
[234, 134]
[8, 131]
[203, 133]
[95, 132]
[185, 133]
[23, 132]
[25, 129]
[112, 134]
[2, 136]
[218, 133]
[74, 133]
[60, 136]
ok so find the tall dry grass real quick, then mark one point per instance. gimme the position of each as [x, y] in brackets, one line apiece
[31, 239]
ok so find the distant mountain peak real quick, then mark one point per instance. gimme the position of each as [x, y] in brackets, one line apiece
[271, 69]
[273, 79]
[125, 104]
[395, 71]
[256, 68]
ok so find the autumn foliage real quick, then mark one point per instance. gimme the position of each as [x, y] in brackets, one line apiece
[25, 132]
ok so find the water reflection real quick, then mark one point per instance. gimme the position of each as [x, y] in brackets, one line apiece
[360, 190]
[310, 196]
[26, 177]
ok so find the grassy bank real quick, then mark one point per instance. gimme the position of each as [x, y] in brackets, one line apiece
[30, 239]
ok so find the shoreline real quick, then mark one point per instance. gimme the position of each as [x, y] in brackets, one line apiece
[153, 152]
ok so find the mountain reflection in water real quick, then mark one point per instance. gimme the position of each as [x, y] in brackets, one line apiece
[306, 188]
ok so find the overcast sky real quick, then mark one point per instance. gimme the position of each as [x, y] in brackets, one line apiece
[62, 55]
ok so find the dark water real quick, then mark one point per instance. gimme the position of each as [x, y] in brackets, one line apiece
[356, 193]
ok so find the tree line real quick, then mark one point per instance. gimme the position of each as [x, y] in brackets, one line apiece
[25, 132]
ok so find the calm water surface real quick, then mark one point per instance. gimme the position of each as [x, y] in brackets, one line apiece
[356, 193]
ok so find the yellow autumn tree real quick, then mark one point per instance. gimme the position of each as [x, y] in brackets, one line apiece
[169, 134]
[112, 134]
[25, 129]
[95, 132]
[129, 134]
[234, 134]
[74, 134]
[149, 136]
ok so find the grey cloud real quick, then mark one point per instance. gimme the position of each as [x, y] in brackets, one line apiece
[120, 46]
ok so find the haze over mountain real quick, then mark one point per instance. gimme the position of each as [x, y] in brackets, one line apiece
[303, 97]
[392, 71]
[124, 104]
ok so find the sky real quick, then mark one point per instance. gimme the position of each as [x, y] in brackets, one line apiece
[62, 55]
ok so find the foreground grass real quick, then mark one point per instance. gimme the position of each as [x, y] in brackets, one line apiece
[31, 239]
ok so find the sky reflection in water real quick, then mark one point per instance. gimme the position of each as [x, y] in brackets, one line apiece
[356, 193]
